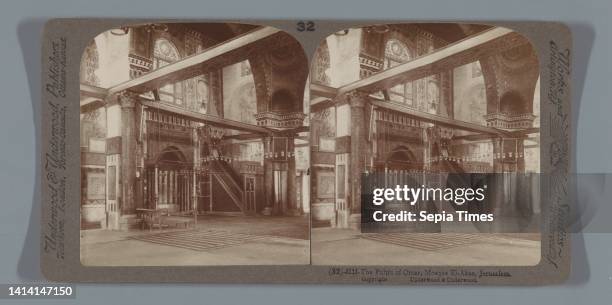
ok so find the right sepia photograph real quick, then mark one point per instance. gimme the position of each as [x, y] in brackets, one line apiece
[423, 104]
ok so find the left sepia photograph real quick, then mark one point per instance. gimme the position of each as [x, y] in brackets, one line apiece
[194, 147]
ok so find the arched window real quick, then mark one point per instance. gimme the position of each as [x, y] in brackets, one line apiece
[164, 52]
[397, 53]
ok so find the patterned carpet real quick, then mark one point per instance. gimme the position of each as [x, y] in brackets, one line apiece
[200, 240]
[429, 241]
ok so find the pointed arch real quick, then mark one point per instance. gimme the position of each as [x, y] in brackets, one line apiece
[164, 52]
[171, 156]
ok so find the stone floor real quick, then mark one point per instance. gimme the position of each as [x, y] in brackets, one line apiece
[348, 247]
[258, 240]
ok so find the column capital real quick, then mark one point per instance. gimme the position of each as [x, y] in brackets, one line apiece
[127, 98]
[111, 99]
[356, 98]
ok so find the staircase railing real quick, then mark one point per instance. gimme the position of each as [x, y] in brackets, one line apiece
[228, 180]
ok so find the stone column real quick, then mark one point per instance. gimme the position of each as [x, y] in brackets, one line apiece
[506, 200]
[156, 189]
[113, 160]
[291, 178]
[268, 172]
[496, 199]
[498, 166]
[357, 102]
[128, 100]
[139, 188]
[520, 155]
[196, 168]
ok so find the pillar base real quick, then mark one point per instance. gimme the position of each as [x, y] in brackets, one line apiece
[112, 221]
[267, 211]
[118, 222]
[129, 222]
[293, 212]
[341, 221]
[354, 221]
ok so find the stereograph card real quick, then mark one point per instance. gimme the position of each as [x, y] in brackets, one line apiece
[263, 151]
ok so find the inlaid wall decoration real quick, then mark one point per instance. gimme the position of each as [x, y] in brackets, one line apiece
[89, 64]
[321, 65]
[325, 184]
[96, 185]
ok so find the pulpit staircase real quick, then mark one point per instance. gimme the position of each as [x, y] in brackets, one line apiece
[458, 178]
[230, 181]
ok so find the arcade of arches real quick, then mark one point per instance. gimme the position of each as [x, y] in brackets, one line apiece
[226, 132]
[224, 135]
[409, 99]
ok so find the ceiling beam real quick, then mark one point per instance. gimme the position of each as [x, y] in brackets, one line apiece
[516, 134]
[320, 90]
[437, 119]
[92, 97]
[319, 103]
[195, 64]
[453, 55]
[321, 96]
[209, 119]
[474, 137]
[524, 132]
[90, 104]
[93, 91]
[243, 136]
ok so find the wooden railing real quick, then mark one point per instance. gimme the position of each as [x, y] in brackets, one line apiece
[229, 181]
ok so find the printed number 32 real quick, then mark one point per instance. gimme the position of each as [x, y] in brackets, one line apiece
[307, 26]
